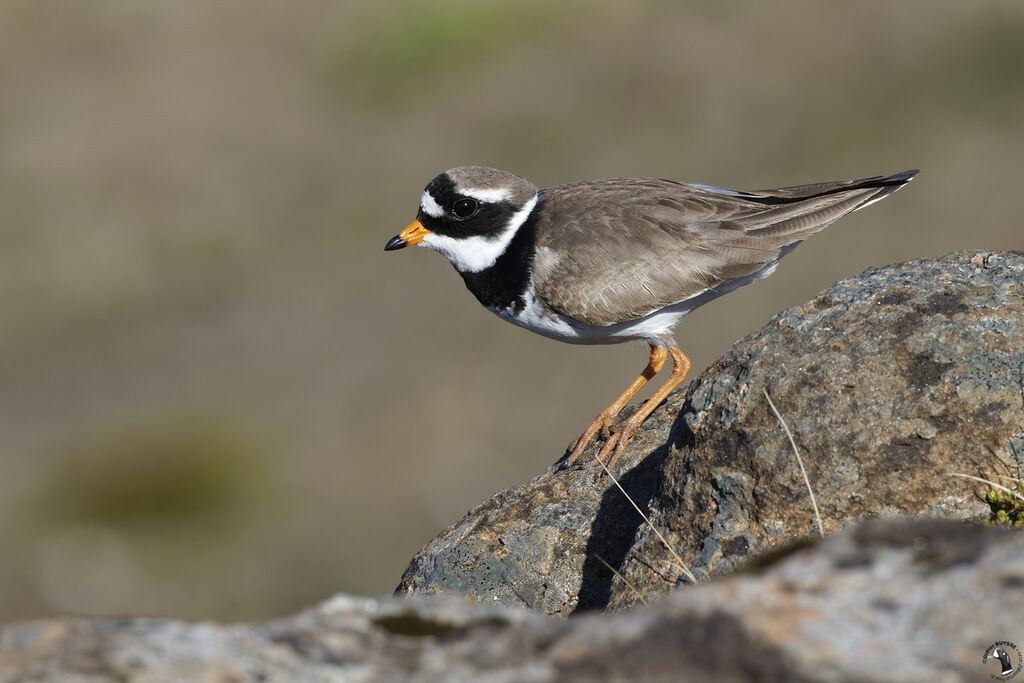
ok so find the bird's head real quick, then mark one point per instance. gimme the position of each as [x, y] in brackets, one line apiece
[469, 214]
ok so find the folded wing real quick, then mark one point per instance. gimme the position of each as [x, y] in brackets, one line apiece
[609, 251]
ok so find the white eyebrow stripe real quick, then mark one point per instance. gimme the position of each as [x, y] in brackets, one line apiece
[430, 205]
[490, 196]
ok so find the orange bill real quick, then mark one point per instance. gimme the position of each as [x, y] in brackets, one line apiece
[414, 234]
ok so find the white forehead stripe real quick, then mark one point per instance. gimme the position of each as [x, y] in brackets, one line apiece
[477, 253]
[491, 196]
[430, 205]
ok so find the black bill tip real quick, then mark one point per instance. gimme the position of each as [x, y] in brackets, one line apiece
[395, 242]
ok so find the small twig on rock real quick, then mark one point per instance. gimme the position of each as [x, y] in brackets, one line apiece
[989, 483]
[682, 565]
[814, 503]
[622, 578]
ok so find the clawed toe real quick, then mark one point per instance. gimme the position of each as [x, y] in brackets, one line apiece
[612, 449]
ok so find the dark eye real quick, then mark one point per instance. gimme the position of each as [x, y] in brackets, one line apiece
[464, 208]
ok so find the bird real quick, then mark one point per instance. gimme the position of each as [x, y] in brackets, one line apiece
[621, 259]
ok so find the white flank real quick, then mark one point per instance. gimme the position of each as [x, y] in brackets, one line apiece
[490, 196]
[430, 205]
[654, 327]
[538, 318]
[473, 254]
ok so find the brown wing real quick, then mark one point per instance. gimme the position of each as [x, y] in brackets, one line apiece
[609, 251]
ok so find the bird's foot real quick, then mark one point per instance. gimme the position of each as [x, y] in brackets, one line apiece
[609, 452]
[602, 426]
[615, 446]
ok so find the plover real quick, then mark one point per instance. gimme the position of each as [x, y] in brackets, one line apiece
[609, 261]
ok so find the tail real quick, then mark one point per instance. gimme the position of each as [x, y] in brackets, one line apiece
[798, 212]
[884, 185]
[887, 185]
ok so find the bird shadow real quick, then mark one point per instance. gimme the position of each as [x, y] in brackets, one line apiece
[616, 521]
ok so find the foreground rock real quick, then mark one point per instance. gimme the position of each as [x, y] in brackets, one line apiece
[889, 381]
[898, 600]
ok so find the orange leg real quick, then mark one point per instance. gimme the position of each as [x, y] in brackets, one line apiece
[607, 417]
[616, 443]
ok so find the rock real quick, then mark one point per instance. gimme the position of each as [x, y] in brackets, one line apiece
[889, 381]
[910, 600]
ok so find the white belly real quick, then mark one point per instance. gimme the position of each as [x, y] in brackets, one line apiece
[653, 327]
[657, 327]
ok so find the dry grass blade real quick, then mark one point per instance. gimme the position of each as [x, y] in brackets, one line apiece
[622, 578]
[988, 483]
[814, 503]
[682, 565]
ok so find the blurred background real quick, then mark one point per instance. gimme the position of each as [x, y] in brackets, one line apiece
[220, 398]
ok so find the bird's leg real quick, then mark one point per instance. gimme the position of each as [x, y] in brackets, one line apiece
[615, 445]
[608, 415]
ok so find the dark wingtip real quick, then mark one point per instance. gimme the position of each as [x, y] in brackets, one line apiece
[395, 242]
[904, 177]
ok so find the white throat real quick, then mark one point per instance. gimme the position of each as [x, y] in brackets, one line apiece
[479, 252]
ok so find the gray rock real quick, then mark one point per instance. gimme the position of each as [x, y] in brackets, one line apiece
[909, 600]
[889, 381]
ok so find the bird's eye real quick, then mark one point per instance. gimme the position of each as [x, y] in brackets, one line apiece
[464, 208]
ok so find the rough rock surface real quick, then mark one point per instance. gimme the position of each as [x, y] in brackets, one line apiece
[888, 380]
[908, 600]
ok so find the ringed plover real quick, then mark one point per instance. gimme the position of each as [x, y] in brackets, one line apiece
[609, 261]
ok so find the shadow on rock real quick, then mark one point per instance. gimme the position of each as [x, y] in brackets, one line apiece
[615, 527]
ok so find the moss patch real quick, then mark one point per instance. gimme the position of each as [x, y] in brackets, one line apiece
[1006, 508]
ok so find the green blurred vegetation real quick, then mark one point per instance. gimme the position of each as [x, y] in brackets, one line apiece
[185, 471]
[408, 48]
